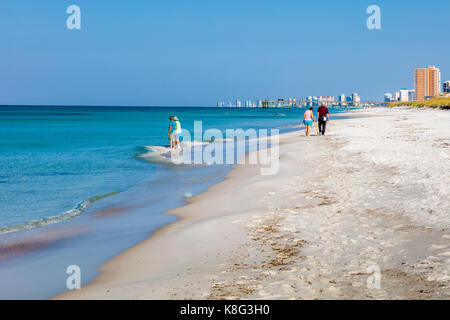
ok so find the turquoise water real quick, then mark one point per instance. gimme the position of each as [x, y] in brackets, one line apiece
[54, 159]
[77, 187]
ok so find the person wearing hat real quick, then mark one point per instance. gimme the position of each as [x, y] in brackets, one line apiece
[174, 132]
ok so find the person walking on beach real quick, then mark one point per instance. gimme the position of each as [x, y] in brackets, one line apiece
[308, 118]
[174, 132]
[323, 116]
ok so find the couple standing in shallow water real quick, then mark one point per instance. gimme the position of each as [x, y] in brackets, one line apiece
[323, 116]
[174, 133]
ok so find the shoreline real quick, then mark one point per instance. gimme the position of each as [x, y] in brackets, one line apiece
[184, 220]
[277, 246]
[121, 222]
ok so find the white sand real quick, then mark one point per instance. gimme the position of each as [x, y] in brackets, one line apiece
[374, 192]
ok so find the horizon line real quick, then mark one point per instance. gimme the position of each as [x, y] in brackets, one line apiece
[87, 105]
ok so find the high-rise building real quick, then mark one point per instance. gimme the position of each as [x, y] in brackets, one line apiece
[420, 83]
[427, 82]
[434, 81]
[355, 98]
[326, 98]
[238, 103]
[446, 87]
[388, 97]
[403, 95]
[342, 98]
[412, 95]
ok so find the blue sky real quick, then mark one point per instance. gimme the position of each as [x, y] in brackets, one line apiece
[195, 53]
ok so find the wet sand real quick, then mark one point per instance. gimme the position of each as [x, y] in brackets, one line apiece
[40, 240]
[371, 195]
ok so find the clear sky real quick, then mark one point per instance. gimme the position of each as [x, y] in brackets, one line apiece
[143, 52]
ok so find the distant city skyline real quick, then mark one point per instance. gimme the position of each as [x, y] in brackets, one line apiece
[342, 100]
[427, 83]
[182, 53]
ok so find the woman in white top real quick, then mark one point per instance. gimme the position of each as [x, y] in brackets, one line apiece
[308, 118]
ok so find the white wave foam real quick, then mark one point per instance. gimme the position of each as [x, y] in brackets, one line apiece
[163, 154]
[67, 215]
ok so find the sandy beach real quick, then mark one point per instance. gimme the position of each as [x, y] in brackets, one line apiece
[373, 194]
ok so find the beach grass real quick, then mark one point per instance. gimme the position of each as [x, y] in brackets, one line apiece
[436, 102]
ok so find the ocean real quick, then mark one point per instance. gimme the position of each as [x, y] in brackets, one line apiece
[77, 186]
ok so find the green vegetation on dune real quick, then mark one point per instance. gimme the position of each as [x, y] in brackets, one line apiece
[436, 102]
